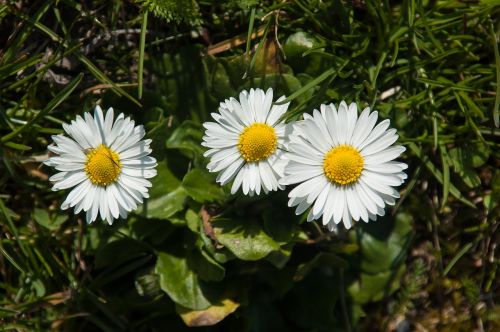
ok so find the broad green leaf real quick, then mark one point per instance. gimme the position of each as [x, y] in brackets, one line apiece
[375, 287]
[221, 85]
[166, 205]
[279, 224]
[119, 251]
[205, 266]
[207, 317]
[53, 222]
[280, 257]
[187, 139]
[193, 220]
[245, 238]
[154, 231]
[180, 282]
[201, 186]
[167, 195]
[383, 243]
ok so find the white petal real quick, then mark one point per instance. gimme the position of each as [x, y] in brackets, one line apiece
[352, 117]
[339, 204]
[305, 187]
[92, 135]
[313, 194]
[381, 143]
[354, 209]
[226, 175]
[319, 204]
[112, 202]
[247, 111]
[103, 204]
[237, 182]
[346, 218]
[329, 205]
[375, 134]
[71, 180]
[342, 123]
[362, 128]
[277, 111]
[331, 121]
[389, 154]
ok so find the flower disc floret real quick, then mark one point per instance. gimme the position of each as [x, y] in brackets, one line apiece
[343, 165]
[257, 141]
[103, 165]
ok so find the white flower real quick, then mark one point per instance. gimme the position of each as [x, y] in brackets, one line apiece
[344, 165]
[245, 143]
[106, 162]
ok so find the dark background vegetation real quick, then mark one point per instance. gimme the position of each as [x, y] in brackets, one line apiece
[195, 255]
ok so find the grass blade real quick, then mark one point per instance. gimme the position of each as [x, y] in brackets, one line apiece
[455, 259]
[497, 65]
[56, 101]
[438, 175]
[142, 44]
[250, 29]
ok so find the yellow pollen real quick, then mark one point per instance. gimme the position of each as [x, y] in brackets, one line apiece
[103, 165]
[343, 164]
[257, 141]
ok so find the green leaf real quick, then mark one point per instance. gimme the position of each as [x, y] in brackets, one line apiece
[119, 251]
[187, 138]
[280, 257]
[166, 196]
[167, 205]
[383, 243]
[205, 266]
[193, 220]
[180, 282]
[375, 287]
[201, 186]
[17, 146]
[280, 226]
[244, 238]
[42, 217]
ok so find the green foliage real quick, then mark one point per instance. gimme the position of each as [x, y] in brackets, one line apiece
[194, 255]
[174, 11]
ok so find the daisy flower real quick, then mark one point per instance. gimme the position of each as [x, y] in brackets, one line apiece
[245, 143]
[344, 164]
[105, 162]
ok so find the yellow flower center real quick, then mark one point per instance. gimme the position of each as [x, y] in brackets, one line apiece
[103, 165]
[257, 141]
[343, 164]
